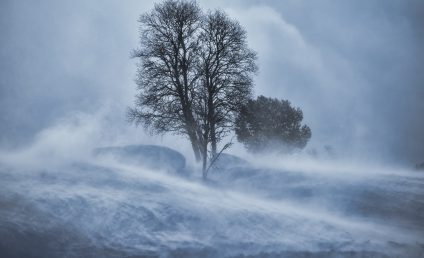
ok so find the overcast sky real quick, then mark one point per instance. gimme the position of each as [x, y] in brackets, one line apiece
[353, 67]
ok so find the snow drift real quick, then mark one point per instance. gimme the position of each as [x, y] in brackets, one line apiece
[144, 201]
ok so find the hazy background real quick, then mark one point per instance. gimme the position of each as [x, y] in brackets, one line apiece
[66, 80]
[354, 68]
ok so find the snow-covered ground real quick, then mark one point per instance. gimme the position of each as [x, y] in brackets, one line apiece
[144, 201]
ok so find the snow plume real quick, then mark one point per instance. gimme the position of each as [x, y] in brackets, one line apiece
[63, 196]
[72, 187]
[69, 139]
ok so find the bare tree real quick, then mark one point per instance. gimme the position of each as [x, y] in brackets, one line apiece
[226, 67]
[195, 73]
[167, 72]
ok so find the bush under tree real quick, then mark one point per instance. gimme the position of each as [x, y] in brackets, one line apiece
[271, 125]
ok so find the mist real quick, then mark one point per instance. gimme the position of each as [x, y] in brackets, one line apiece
[352, 68]
[66, 199]
[67, 79]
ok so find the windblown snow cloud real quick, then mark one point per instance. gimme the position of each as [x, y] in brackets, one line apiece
[66, 80]
[353, 68]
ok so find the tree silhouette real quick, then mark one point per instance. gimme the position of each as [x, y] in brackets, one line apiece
[226, 66]
[268, 124]
[194, 72]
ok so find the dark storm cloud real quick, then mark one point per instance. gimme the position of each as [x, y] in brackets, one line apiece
[353, 67]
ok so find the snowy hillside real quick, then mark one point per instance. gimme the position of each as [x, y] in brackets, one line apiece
[144, 201]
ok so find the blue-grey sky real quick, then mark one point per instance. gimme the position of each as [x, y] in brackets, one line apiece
[353, 67]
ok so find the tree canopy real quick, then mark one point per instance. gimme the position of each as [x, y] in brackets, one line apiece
[269, 124]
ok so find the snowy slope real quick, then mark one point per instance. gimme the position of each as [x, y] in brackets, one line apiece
[112, 206]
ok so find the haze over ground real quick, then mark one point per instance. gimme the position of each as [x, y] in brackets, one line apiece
[66, 80]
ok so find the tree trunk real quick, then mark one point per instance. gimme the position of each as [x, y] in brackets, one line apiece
[204, 141]
[190, 125]
[204, 159]
[211, 118]
[213, 139]
[195, 145]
